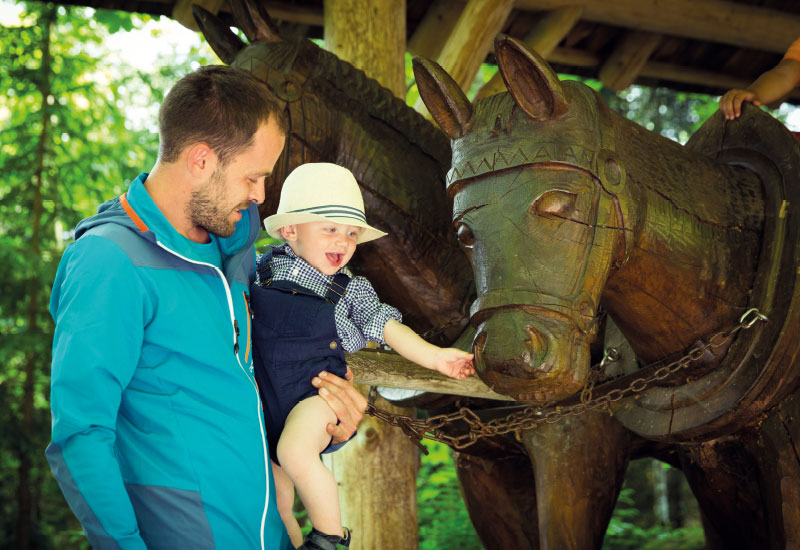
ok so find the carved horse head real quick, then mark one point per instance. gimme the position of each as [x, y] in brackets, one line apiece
[538, 208]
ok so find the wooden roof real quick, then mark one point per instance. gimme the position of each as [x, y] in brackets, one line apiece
[705, 46]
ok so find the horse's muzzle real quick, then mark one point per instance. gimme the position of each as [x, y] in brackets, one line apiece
[530, 353]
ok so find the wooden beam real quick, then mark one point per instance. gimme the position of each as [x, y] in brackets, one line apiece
[627, 60]
[295, 14]
[548, 32]
[388, 369]
[472, 38]
[431, 34]
[182, 11]
[470, 42]
[661, 71]
[722, 21]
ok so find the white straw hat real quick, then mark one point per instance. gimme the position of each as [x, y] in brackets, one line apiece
[319, 191]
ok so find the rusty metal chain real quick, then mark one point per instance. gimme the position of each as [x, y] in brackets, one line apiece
[530, 417]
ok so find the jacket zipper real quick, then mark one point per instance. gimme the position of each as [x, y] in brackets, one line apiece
[235, 325]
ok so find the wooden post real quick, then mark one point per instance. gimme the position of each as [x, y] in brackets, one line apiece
[377, 471]
[548, 32]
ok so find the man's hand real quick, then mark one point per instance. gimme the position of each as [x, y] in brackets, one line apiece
[731, 103]
[346, 402]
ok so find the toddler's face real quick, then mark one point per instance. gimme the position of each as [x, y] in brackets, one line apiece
[325, 245]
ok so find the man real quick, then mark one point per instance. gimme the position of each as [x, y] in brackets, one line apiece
[158, 437]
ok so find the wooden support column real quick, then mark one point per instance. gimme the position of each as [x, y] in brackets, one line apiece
[471, 40]
[628, 59]
[377, 471]
[543, 38]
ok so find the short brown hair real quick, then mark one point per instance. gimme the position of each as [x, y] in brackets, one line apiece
[218, 105]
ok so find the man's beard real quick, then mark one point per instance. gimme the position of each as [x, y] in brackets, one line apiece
[205, 207]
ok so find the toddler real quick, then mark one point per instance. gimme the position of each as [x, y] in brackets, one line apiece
[308, 310]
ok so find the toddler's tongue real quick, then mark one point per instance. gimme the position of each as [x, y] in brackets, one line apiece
[334, 258]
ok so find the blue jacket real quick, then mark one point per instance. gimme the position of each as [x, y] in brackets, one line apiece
[158, 435]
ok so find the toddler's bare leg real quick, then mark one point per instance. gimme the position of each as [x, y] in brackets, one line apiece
[284, 496]
[303, 439]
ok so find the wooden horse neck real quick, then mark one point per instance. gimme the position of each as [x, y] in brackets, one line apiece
[695, 249]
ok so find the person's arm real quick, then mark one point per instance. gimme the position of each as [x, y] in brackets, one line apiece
[450, 361]
[769, 87]
[99, 307]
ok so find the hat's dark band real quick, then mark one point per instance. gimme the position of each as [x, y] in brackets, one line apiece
[338, 210]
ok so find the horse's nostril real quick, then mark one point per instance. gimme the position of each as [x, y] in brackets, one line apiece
[536, 345]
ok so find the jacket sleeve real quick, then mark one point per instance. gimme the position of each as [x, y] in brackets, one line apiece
[100, 308]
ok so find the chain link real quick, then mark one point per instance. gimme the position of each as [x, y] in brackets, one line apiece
[530, 417]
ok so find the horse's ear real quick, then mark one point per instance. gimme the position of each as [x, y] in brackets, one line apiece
[253, 19]
[219, 35]
[444, 99]
[531, 81]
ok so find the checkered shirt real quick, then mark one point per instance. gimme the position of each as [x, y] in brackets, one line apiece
[359, 315]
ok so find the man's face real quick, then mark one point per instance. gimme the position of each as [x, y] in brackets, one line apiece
[217, 204]
[326, 245]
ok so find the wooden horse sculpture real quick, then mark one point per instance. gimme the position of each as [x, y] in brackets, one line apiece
[337, 114]
[566, 209]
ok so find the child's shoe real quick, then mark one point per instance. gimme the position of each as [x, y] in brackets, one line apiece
[317, 540]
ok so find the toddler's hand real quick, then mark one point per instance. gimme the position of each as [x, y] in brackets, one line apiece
[731, 103]
[454, 363]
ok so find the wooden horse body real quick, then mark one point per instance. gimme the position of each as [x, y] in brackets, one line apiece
[566, 208]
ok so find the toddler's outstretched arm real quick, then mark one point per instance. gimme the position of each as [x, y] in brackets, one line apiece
[769, 87]
[450, 361]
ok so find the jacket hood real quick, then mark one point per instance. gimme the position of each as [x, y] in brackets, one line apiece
[153, 226]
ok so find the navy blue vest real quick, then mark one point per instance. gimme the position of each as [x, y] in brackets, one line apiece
[294, 339]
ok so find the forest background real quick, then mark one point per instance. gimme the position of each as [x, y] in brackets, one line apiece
[77, 123]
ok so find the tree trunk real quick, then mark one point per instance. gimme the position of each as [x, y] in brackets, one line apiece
[24, 492]
[376, 472]
[661, 495]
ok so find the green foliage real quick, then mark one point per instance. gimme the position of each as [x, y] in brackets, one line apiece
[67, 143]
[442, 518]
[624, 533]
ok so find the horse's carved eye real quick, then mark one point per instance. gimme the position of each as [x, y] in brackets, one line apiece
[465, 235]
[555, 203]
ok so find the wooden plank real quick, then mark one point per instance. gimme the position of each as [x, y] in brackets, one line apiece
[548, 32]
[431, 34]
[628, 58]
[722, 21]
[388, 369]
